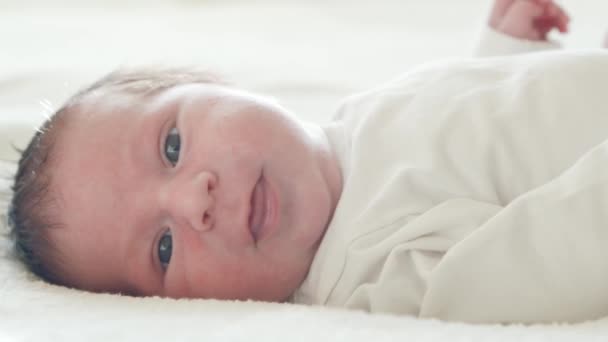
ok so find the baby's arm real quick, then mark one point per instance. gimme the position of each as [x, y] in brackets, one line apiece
[518, 26]
[543, 258]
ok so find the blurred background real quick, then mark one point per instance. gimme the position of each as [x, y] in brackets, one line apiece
[308, 54]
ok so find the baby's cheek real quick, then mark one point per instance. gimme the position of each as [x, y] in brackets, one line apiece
[181, 279]
[176, 284]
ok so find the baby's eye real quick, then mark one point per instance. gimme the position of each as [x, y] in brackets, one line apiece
[165, 246]
[172, 146]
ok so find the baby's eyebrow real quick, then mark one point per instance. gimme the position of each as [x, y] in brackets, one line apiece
[154, 127]
[144, 145]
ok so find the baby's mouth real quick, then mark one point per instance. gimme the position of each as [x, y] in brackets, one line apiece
[258, 210]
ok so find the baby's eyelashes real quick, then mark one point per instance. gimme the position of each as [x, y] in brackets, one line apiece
[165, 249]
[172, 146]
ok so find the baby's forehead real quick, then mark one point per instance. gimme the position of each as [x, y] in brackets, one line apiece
[105, 101]
[90, 171]
[105, 112]
[132, 101]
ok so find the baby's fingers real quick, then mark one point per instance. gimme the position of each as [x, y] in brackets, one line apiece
[558, 15]
[519, 20]
[544, 25]
[499, 9]
[562, 20]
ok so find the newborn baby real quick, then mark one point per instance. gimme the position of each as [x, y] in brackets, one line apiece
[471, 191]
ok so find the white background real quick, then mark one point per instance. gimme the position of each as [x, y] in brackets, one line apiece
[308, 54]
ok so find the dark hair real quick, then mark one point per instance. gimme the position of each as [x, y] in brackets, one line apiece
[33, 210]
[29, 214]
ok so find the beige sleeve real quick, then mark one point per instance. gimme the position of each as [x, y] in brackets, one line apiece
[493, 43]
[543, 258]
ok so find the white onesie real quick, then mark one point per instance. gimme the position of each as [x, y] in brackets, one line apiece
[475, 191]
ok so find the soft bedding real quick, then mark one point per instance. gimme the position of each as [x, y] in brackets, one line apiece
[48, 52]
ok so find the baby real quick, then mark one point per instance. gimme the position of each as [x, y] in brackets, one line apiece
[470, 191]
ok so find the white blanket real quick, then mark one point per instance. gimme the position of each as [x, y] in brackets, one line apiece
[308, 54]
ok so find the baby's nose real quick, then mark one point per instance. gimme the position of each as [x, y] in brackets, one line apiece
[199, 213]
[193, 201]
[202, 218]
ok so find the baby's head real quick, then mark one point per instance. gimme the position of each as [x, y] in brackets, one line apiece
[170, 183]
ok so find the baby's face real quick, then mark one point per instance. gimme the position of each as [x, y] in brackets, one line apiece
[200, 191]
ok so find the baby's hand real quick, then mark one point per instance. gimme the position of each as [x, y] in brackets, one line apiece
[528, 19]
